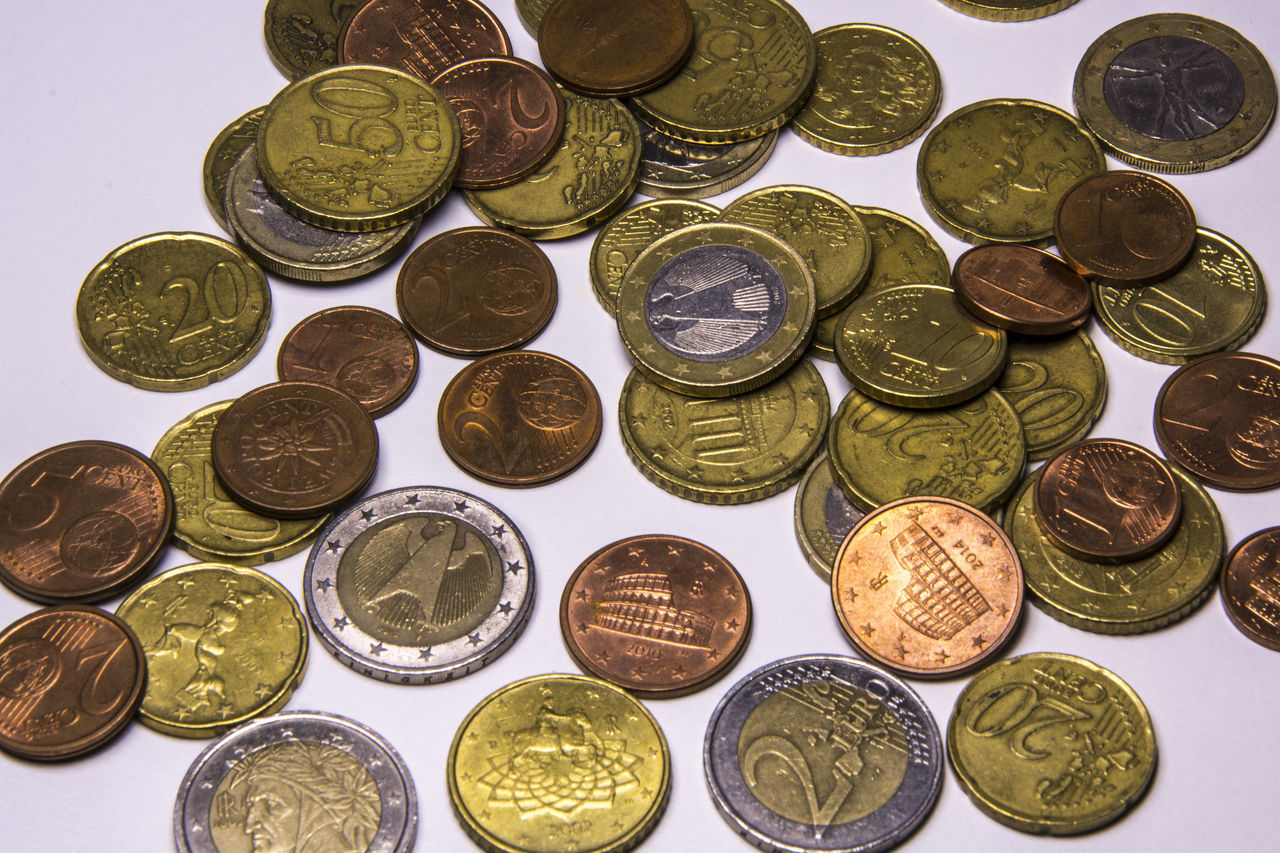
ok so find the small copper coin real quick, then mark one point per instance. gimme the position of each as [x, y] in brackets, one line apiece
[511, 115]
[519, 418]
[1106, 499]
[71, 679]
[1251, 587]
[479, 290]
[927, 586]
[1128, 226]
[294, 449]
[657, 615]
[82, 521]
[1219, 417]
[608, 49]
[422, 37]
[1021, 289]
[362, 351]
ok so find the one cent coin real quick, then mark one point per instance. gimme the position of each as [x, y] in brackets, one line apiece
[1251, 587]
[71, 679]
[658, 615]
[1106, 499]
[520, 418]
[362, 351]
[1021, 289]
[82, 521]
[422, 37]
[473, 291]
[294, 449]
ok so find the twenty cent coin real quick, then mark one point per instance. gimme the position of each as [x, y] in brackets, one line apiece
[1251, 587]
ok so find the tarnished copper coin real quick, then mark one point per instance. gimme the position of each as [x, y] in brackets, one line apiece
[1021, 289]
[927, 586]
[658, 615]
[1251, 587]
[362, 351]
[619, 50]
[1128, 226]
[1106, 499]
[511, 115]
[478, 290]
[519, 418]
[1219, 417]
[82, 521]
[294, 449]
[422, 37]
[71, 679]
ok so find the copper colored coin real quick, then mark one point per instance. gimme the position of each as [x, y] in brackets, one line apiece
[927, 586]
[473, 291]
[1128, 226]
[1219, 417]
[1021, 289]
[422, 37]
[1251, 587]
[71, 679]
[294, 449]
[611, 49]
[657, 615]
[519, 418]
[362, 351]
[82, 521]
[511, 115]
[1106, 499]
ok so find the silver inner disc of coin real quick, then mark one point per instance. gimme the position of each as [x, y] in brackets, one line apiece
[1174, 87]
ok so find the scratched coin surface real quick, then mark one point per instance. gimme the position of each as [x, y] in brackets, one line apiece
[629, 233]
[822, 753]
[1251, 587]
[1021, 289]
[302, 35]
[82, 521]
[1051, 743]
[823, 515]
[422, 37]
[677, 168]
[1058, 387]
[71, 678]
[419, 585]
[223, 152]
[520, 418]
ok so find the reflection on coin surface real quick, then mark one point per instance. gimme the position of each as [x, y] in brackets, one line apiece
[615, 49]
[422, 38]
[677, 168]
[824, 516]
[1021, 289]
[1251, 587]
[419, 585]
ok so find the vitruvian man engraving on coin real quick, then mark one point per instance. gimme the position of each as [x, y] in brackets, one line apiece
[1172, 87]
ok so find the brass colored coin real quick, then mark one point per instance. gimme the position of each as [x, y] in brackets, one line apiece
[1009, 10]
[1175, 93]
[822, 227]
[716, 309]
[1121, 598]
[1021, 289]
[472, 291]
[209, 524]
[823, 344]
[1057, 386]
[750, 71]
[630, 232]
[358, 147]
[82, 521]
[1213, 302]
[223, 644]
[614, 755]
[973, 452]
[729, 450]
[223, 152]
[589, 177]
[824, 516]
[927, 587]
[173, 311]
[302, 35]
[531, 12]
[676, 168]
[422, 37]
[519, 418]
[876, 89]
[912, 345]
[1251, 587]
[1051, 743]
[993, 172]
[658, 615]
[902, 251]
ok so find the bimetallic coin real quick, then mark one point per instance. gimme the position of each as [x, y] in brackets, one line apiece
[82, 521]
[604, 791]
[419, 585]
[864, 785]
[173, 311]
[1251, 587]
[823, 515]
[302, 780]
[302, 35]
[1175, 93]
[71, 679]
[902, 251]
[1009, 10]
[223, 152]
[676, 168]
[224, 644]
[1021, 289]
[630, 232]
[1051, 743]
[1057, 386]
[422, 38]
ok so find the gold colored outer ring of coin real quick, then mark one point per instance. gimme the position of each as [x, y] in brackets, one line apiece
[875, 90]
[1229, 142]
[1009, 10]
[496, 756]
[359, 147]
[1051, 778]
[630, 232]
[1057, 386]
[708, 172]
[902, 251]
[224, 151]
[224, 644]
[823, 516]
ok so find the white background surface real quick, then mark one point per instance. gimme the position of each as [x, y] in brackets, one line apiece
[109, 108]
